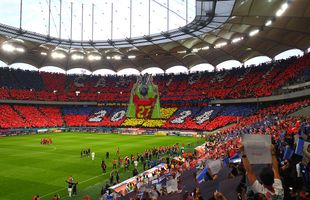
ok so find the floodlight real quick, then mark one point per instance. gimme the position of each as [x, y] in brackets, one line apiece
[77, 57]
[92, 57]
[235, 40]
[58, 55]
[254, 32]
[219, 45]
[8, 47]
[131, 56]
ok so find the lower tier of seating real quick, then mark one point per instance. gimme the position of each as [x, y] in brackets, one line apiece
[207, 118]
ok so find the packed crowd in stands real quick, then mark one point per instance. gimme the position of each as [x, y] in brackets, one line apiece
[255, 81]
[209, 118]
[223, 163]
[198, 176]
[188, 175]
[17, 116]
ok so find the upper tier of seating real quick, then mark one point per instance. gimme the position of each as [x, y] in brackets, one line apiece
[256, 81]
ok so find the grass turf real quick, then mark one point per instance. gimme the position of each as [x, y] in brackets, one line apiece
[29, 168]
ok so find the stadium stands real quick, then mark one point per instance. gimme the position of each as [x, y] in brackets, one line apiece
[185, 107]
[35, 117]
[10, 118]
[184, 98]
[184, 176]
[207, 118]
[18, 116]
[255, 81]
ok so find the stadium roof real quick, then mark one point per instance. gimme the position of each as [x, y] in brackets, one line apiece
[222, 30]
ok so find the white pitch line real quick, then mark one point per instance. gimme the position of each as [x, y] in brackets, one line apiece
[55, 192]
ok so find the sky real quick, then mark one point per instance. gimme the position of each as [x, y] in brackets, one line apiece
[35, 18]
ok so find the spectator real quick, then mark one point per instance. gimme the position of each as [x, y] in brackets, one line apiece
[103, 166]
[271, 186]
[86, 197]
[56, 197]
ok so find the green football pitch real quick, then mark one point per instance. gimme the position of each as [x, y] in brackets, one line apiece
[28, 168]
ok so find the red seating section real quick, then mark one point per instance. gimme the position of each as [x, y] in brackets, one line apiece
[53, 115]
[18, 116]
[33, 116]
[10, 119]
[220, 121]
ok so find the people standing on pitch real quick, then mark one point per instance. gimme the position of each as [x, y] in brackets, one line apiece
[36, 197]
[107, 155]
[85, 152]
[117, 151]
[135, 172]
[93, 156]
[114, 163]
[86, 197]
[135, 163]
[126, 163]
[103, 166]
[70, 185]
[117, 177]
[111, 177]
[56, 197]
[88, 151]
[74, 190]
[120, 161]
[182, 149]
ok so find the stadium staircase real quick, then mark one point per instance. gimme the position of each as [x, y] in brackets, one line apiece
[63, 117]
[303, 112]
[20, 115]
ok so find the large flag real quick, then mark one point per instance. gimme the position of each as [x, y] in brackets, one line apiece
[235, 159]
[303, 149]
[288, 153]
[299, 147]
[200, 177]
[144, 99]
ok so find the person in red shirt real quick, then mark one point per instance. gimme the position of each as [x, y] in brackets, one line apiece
[114, 164]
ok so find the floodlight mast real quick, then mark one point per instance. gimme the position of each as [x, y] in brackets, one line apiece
[82, 22]
[130, 22]
[49, 18]
[149, 17]
[92, 23]
[20, 14]
[168, 15]
[60, 14]
[71, 21]
[112, 20]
